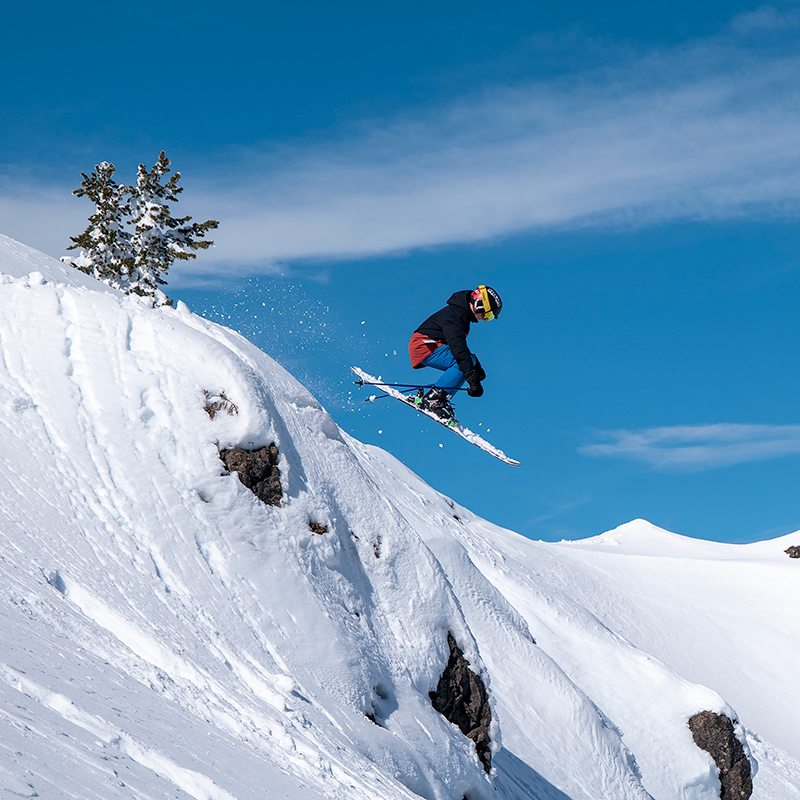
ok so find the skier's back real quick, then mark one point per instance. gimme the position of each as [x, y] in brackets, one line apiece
[441, 342]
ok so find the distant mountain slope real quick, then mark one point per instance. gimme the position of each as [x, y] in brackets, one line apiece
[720, 614]
[165, 633]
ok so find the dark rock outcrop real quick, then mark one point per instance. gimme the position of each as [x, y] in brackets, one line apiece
[461, 698]
[714, 734]
[257, 470]
[793, 551]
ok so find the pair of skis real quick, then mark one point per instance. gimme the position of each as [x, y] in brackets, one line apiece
[411, 400]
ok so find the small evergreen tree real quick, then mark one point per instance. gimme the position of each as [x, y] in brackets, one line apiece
[159, 238]
[105, 245]
[138, 261]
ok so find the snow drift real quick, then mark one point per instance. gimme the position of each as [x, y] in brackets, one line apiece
[166, 633]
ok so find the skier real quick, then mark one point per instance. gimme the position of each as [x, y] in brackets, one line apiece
[441, 342]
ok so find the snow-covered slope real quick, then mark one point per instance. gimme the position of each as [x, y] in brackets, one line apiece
[626, 613]
[166, 634]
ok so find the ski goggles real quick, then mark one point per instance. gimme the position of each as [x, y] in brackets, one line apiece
[481, 294]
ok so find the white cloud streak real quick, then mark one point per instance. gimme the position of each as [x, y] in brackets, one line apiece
[708, 131]
[694, 448]
[41, 217]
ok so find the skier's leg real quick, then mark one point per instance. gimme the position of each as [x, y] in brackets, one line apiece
[451, 380]
[442, 359]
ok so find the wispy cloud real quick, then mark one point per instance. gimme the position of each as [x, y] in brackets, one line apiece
[704, 132]
[560, 509]
[698, 447]
[708, 130]
[41, 217]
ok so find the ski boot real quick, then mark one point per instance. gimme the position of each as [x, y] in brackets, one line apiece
[437, 401]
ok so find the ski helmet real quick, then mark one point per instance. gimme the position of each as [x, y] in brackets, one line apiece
[486, 301]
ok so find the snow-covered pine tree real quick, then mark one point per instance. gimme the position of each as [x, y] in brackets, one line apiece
[105, 245]
[159, 238]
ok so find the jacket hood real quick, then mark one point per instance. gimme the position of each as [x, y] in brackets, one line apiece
[461, 299]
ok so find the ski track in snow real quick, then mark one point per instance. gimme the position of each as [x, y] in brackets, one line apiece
[165, 634]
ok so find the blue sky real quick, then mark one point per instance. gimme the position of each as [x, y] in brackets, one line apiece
[626, 177]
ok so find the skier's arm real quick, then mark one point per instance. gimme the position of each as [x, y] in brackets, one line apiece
[455, 329]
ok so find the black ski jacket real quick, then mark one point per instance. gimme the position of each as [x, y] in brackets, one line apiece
[451, 325]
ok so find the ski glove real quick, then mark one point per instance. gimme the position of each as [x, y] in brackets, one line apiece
[474, 380]
[481, 375]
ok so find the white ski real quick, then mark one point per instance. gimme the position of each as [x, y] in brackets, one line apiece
[451, 425]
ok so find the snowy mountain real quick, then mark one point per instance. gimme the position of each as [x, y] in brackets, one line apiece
[167, 633]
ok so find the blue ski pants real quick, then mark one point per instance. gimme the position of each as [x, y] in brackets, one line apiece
[442, 359]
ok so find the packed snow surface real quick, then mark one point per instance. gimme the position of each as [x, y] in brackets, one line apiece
[166, 634]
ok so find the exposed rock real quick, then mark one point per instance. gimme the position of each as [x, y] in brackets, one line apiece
[714, 734]
[318, 527]
[57, 582]
[793, 551]
[461, 698]
[257, 470]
